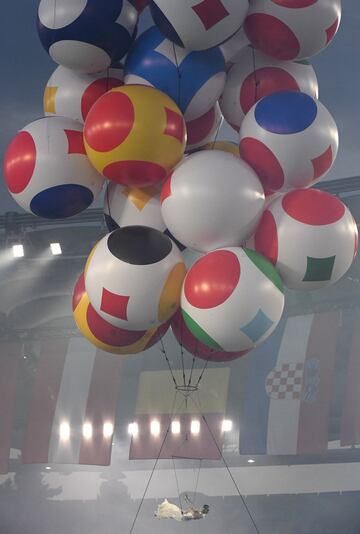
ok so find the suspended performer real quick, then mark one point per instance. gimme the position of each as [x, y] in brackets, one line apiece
[167, 510]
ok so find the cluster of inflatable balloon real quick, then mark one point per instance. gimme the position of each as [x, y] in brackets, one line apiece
[149, 126]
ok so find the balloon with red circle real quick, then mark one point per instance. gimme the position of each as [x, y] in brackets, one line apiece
[292, 29]
[310, 237]
[290, 139]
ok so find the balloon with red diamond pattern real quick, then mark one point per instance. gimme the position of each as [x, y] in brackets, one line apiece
[198, 24]
[232, 299]
[290, 139]
[106, 336]
[255, 76]
[292, 29]
[133, 278]
[310, 237]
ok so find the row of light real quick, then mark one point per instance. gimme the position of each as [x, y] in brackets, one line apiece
[155, 427]
[18, 250]
[87, 430]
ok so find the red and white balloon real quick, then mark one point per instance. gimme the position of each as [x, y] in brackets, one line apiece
[310, 237]
[292, 29]
[198, 25]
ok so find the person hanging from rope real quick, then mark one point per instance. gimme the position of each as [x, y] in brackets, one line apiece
[168, 510]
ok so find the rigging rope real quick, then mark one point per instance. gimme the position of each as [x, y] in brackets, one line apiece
[154, 466]
[228, 470]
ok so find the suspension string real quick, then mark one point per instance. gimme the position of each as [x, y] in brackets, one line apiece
[193, 362]
[177, 485]
[182, 351]
[179, 75]
[168, 362]
[217, 133]
[229, 471]
[154, 466]
[197, 483]
[202, 372]
[255, 75]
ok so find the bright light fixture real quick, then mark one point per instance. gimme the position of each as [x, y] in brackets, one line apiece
[108, 430]
[227, 425]
[48, 468]
[87, 430]
[133, 429]
[195, 426]
[55, 249]
[18, 251]
[155, 428]
[175, 427]
[64, 431]
[251, 461]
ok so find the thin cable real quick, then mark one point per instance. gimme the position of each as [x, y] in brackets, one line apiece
[257, 82]
[197, 482]
[202, 372]
[168, 362]
[177, 485]
[229, 471]
[154, 467]
[179, 76]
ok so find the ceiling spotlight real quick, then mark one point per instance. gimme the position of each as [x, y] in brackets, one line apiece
[64, 431]
[55, 249]
[108, 430]
[87, 430]
[48, 468]
[18, 251]
[133, 429]
[195, 426]
[175, 427]
[251, 461]
[155, 428]
[227, 425]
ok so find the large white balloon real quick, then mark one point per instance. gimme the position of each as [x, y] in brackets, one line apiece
[212, 199]
[198, 25]
[292, 29]
[255, 76]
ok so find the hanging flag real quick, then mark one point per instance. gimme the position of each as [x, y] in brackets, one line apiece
[71, 414]
[160, 413]
[10, 352]
[350, 417]
[287, 397]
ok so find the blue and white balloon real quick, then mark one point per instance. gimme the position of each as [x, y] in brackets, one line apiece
[194, 80]
[86, 35]
[290, 139]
